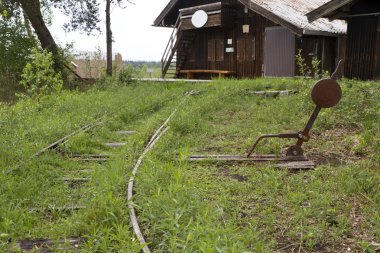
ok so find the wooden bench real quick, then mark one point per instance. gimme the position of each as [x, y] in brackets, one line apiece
[221, 73]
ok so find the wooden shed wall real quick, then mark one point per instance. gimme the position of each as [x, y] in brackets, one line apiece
[363, 54]
[325, 48]
[244, 67]
[377, 55]
[363, 41]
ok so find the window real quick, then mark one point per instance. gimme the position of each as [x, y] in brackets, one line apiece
[246, 49]
[216, 50]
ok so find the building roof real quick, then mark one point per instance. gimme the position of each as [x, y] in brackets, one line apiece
[288, 13]
[328, 9]
[164, 12]
[292, 15]
[345, 9]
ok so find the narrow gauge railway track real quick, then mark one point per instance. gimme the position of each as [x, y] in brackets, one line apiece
[153, 140]
[63, 140]
[73, 184]
[72, 243]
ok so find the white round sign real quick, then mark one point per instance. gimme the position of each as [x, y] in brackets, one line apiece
[199, 18]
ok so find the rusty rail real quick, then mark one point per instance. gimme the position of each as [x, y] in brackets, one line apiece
[153, 140]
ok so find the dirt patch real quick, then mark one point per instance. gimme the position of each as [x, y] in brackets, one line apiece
[336, 146]
[226, 172]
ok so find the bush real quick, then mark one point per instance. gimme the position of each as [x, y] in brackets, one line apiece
[39, 76]
[16, 44]
[127, 74]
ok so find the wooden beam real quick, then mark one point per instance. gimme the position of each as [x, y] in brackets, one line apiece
[327, 9]
[205, 7]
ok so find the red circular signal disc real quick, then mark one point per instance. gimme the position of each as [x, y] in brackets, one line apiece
[326, 93]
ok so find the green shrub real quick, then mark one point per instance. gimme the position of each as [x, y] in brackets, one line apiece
[39, 77]
[127, 74]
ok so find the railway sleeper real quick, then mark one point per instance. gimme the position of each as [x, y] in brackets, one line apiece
[52, 209]
[123, 132]
[48, 245]
[115, 144]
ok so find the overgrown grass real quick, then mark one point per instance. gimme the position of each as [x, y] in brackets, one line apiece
[210, 207]
[186, 207]
[30, 189]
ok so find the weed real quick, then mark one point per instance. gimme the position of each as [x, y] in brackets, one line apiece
[185, 207]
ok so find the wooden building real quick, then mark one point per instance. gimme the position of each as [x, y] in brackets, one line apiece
[246, 38]
[363, 34]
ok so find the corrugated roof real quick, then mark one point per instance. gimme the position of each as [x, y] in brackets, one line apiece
[294, 12]
[328, 9]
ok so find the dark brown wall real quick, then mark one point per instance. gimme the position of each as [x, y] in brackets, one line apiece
[257, 26]
[247, 67]
[363, 48]
[377, 54]
[365, 6]
[324, 48]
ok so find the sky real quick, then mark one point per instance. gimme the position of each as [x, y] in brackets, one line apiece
[135, 37]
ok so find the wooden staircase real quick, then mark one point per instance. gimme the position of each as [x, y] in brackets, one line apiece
[176, 51]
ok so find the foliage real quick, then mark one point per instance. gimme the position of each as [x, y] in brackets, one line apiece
[314, 70]
[127, 74]
[39, 76]
[188, 207]
[301, 63]
[83, 14]
[131, 72]
[16, 44]
[28, 126]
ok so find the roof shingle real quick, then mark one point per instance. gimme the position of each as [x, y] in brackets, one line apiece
[294, 12]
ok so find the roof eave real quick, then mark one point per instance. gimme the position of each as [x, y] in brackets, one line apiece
[322, 33]
[326, 9]
[269, 15]
[164, 12]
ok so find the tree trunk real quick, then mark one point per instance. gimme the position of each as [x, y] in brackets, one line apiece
[109, 37]
[32, 9]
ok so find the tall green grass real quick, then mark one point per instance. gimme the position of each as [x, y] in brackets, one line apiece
[204, 207]
[211, 207]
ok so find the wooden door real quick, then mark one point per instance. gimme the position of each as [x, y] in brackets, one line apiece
[246, 56]
[279, 52]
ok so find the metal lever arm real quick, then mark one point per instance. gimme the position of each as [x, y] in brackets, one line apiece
[283, 136]
[309, 125]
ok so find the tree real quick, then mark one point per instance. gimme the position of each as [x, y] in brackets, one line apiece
[16, 44]
[83, 16]
[109, 38]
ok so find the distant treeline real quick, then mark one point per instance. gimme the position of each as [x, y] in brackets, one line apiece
[140, 64]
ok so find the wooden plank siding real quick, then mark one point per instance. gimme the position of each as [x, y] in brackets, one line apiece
[323, 48]
[362, 48]
[362, 55]
[377, 55]
[250, 66]
[208, 50]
